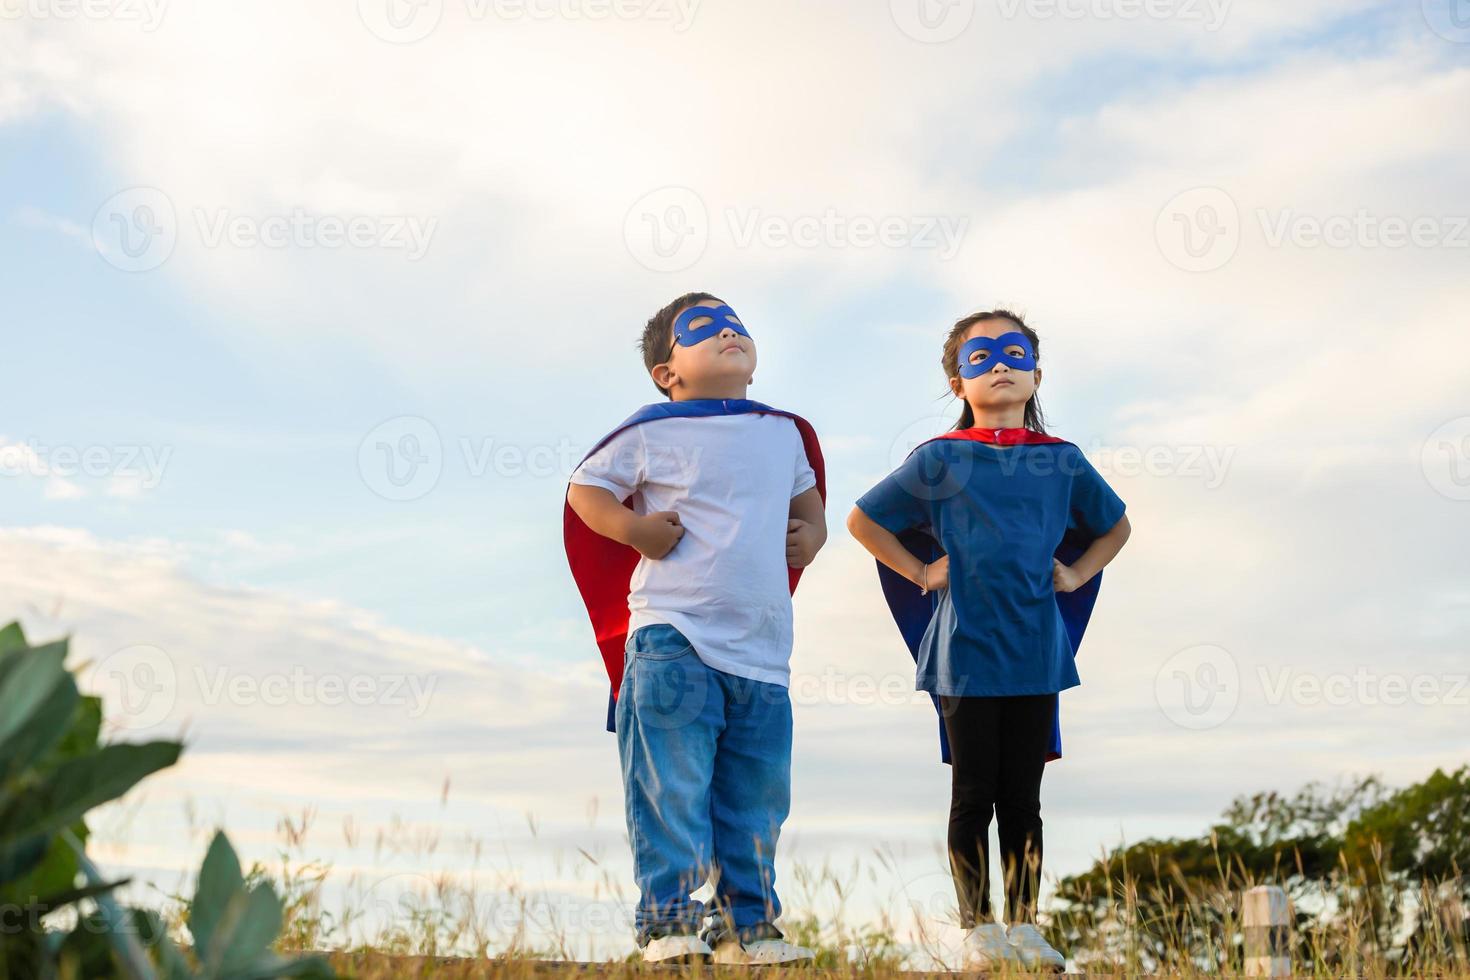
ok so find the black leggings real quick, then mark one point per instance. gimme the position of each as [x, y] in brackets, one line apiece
[998, 749]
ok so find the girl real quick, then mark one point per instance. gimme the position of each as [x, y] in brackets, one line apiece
[990, 540]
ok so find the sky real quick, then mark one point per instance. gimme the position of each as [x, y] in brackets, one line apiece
[311, 308]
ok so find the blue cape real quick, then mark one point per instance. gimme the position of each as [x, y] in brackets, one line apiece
[912, 611]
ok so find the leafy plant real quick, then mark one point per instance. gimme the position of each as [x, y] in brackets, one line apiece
[53, 769]
[234, 925]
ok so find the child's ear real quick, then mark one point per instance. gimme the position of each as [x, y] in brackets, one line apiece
[663, 376]
[1038, 377]
[957, 386]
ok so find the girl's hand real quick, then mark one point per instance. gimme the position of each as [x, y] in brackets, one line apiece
[656, 534]
[1063, 578]
[938, 575]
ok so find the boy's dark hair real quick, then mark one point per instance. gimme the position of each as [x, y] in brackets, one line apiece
[658, 334]
[1033, 419]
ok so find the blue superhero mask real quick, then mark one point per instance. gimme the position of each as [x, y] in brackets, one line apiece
[995, 351]
[720, 318]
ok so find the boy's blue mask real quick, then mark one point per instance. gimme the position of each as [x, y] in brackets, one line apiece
[995, 351]
[720, 318]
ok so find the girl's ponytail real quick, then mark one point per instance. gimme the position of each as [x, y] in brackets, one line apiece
[1033, 420]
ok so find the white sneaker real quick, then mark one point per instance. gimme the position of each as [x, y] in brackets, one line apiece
[986, 946]
[1033, 949]
[676, 949]
[761, 952]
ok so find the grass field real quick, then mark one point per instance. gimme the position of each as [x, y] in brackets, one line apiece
[446, 928]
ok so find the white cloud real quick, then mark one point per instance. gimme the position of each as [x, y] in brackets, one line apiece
[529, 140]
[60, 488]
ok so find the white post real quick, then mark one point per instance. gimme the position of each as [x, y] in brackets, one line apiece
[1266, 917]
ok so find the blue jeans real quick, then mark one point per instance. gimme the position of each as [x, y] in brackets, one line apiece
[706, 764]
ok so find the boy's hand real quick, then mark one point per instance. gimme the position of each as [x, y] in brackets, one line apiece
[656, 534]
[1063, 578]
[938, 575]
[803, 540]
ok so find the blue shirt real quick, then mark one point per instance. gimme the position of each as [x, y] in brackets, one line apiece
[999, 513]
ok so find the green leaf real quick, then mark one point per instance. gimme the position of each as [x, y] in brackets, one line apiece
[153, 935]
[12, 638]
[50, 723]
[28, 683]
[77, 785]
[219, 882]
[86, 729]
[19, 858]
[55, 871]
[249, 934]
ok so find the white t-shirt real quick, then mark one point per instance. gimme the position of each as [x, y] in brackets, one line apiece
[725, 585]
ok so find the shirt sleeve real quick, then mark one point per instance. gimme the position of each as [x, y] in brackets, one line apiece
[1095, 508]
[619, 467]
[904, 498]
[805, 478]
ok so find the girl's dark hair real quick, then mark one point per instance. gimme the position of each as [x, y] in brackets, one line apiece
[1033, 420]
[658, 333]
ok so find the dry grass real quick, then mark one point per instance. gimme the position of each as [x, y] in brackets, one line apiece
[447, 926]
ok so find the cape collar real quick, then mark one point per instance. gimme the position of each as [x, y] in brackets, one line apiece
[1000, 437]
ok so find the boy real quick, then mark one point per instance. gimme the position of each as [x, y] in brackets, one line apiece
[686, 531]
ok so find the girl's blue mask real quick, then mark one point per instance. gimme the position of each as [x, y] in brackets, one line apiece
[720, 318]
[995, 351]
